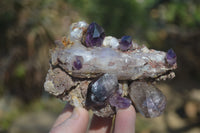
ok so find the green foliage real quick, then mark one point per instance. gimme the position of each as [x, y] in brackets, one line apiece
[184, 14]
[111, 14]
[20, 71]
[8, 119]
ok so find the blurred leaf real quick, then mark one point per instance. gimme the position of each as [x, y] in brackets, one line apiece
[20, 71]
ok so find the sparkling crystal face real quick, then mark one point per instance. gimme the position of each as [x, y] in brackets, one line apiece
[125, 43]
[94, 35]
[171, 57]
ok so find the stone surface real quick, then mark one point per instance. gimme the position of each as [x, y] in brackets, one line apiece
[56, 82]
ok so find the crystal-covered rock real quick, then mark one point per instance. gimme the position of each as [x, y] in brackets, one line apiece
[140, 63]
[125, 43]
[86, 66]
[102, 89]
[94, 35]
[148, 99]
[171, 57]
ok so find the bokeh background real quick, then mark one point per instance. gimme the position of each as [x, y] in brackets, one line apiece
[28, 29]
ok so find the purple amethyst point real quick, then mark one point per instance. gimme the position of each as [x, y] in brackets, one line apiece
[125, 43]
[77, 64]
[119, 102]
[171, 57]
[94, 35]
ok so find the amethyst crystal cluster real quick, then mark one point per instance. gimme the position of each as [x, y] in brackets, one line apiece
[103, 73]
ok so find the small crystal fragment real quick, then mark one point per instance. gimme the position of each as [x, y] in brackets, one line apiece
[134, 45]
[94, 35]
[125, 43]
[148, 99]
[77, 64]
[102, 89]
[171, 57]
[118, 101]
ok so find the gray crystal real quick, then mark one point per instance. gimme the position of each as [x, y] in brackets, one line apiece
[102, 89]
[148, 99]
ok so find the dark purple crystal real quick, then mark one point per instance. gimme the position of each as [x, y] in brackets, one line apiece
[94, 35]
[171, 57]
[125, 43]
[77, 64]
[101, 90]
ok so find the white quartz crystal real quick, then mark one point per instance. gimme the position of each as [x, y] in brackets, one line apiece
[77, 29]
[111, 42]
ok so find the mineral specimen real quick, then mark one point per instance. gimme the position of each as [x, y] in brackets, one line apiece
[78, 62]
[171, 57]
[149, 100]
[103, 73]
[125, 43]
[111, 42]
[77, 30]
[102, 89]
[118, 101]
[94, 35]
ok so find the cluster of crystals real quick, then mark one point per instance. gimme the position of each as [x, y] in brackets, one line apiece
[106, 90]
[95, 37]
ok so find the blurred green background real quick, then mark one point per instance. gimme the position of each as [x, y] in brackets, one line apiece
[28, 29]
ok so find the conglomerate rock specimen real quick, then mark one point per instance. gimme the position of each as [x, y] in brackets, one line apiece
[103, 73]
